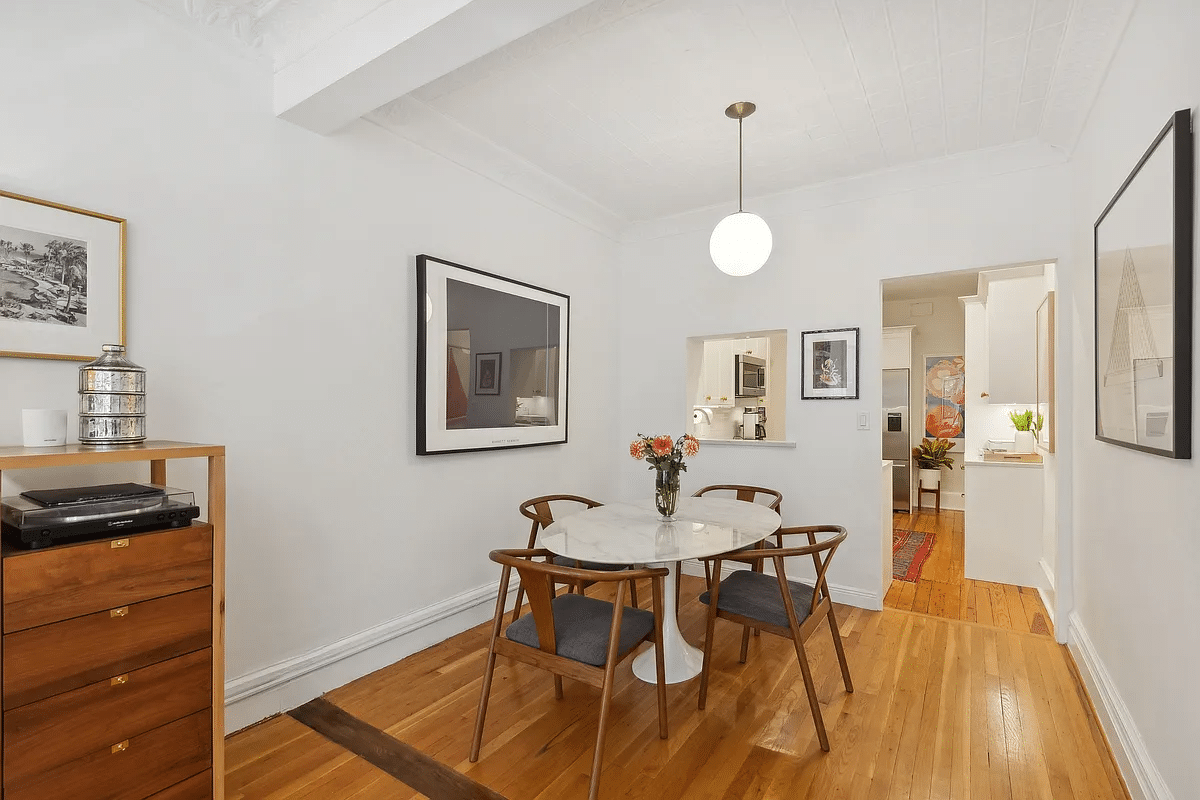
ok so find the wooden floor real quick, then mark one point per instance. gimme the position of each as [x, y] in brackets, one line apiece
[942, 709]
[944, 592]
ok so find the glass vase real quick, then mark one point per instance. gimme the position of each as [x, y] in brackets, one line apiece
[666, 491]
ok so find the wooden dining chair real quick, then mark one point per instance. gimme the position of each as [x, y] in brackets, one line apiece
[538, 509]
[573, 636]
[771, 498]
[773, 603]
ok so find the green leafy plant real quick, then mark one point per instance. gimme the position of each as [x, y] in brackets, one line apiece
[932, 454]
[1023, 421]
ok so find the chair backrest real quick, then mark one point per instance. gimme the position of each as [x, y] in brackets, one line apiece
[538, 579]
[821, 552]
[538, 509]
[750, 494]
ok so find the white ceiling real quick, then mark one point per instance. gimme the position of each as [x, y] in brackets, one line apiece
[923, 287]
[622, 101]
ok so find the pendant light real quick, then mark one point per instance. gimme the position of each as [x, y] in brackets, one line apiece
[741, 243]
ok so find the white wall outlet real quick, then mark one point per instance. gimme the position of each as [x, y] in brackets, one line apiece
[864, 420]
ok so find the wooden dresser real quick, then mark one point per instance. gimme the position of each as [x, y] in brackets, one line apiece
[112, 651]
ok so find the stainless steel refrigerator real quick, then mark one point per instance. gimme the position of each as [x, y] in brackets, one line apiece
[897, 447]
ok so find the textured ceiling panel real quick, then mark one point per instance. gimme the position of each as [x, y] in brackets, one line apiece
[623, 100]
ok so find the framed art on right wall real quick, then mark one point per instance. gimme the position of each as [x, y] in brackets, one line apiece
[1143, 301]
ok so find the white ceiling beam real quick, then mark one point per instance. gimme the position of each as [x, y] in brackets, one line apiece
[399, 47]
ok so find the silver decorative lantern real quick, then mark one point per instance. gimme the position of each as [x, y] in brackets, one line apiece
[112, 399]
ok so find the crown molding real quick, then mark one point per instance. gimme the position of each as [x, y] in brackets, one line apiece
[416, 122]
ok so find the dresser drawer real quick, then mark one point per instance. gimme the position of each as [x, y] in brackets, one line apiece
[197, 787]
[45, 586]
[62, 728]
[45, 661]
[133, 768]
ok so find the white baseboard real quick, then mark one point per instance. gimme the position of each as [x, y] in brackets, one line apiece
[847, 595]
[1049, 596]
[294, 681]
[1128, 747]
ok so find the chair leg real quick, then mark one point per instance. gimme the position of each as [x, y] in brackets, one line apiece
[678, 579]
[483, 703]
[660, 665]
[558, 692]
[841, 653]
[811, 689]
[745, 643]
[708, 644]
[610, 672]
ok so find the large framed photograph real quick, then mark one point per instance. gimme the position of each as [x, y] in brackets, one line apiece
[1045, 373]
[1143, 302]
[491, 360]
[62, 280]
[830, 364]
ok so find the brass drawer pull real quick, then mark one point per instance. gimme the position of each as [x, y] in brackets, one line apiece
[120, 680]
[120, 747]
[117, 544]
[123, 611]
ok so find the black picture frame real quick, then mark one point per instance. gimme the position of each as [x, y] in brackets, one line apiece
[1142, 301]
[829, 364]
[487, 373]
[522, 335]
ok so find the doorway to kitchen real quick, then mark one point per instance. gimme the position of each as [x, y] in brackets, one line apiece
[969, 536]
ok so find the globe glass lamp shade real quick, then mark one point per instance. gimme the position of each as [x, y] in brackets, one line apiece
[740, 244]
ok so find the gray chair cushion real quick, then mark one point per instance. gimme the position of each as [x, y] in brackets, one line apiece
[756, 595]
[563, 561]
[581, 626]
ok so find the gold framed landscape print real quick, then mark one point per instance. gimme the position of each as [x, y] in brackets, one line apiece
[62, 280]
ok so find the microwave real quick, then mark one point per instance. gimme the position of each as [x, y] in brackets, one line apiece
[749, 376]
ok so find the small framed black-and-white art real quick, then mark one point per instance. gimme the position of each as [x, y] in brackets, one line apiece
[487, 373]
[62, 280]
[1143, 301]
[491, 360]
[829, 364]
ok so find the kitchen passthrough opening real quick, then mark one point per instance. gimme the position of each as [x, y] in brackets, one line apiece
[737, 386]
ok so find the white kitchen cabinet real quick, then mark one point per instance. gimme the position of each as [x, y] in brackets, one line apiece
[1003, 523]
[897, 347]
[717, 382]
[1011, 334]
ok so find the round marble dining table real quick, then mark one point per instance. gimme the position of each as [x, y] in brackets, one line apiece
[624, 533]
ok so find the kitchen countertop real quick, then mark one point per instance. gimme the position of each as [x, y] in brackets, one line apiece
[747, 442]
[977, 462]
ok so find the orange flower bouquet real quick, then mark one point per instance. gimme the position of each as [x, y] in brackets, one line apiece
[665, 455]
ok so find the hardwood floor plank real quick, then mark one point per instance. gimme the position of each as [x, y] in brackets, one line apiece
[943, 709]
[943, 591]
[405, 763]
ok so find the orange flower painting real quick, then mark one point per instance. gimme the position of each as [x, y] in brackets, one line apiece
[945, 394]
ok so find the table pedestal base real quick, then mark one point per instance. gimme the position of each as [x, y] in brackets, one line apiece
[681, 661]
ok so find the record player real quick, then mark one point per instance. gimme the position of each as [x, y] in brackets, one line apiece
[44, 517]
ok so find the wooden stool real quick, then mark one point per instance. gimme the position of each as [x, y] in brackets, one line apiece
[937, 497]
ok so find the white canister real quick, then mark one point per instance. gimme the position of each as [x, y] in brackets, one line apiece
[44, 427]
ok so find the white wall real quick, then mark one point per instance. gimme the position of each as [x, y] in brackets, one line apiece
[1137, 553]
[939, 334]
[833, 245]
[270, 282]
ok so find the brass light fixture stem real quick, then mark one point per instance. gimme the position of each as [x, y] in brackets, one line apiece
[740, 111]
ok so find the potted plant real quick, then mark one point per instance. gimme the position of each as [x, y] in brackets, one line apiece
[931, 456]
[1026, 428]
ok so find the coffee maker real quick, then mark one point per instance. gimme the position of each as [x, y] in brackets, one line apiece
[754, 422]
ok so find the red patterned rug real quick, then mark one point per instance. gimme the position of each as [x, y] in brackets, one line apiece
[909, 551]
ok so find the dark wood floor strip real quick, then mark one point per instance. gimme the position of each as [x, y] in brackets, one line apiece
[404, 763]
